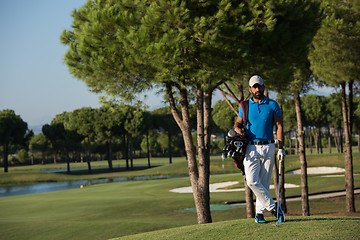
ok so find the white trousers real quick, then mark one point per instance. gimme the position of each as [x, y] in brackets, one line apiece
[258, 163]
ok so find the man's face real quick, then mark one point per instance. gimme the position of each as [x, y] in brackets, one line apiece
[257, 91]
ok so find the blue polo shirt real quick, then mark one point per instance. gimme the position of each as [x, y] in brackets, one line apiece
[261, 119]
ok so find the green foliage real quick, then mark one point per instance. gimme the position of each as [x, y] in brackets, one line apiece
[314, 110]
[109, 122]
[81, 120]
[289, 115]
[22, 156]
[134, 123]
[334, 57]
[39, 143]
[39, 146]
[12, 131]
[334, 112]
[123, 47]
[223, 116]
[163, 120]
[12, 127]
[154, 145]
[357, 113]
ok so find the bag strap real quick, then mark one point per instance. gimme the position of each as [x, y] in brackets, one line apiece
[245, 110]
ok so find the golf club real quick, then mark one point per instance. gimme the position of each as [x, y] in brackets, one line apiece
[278, 196]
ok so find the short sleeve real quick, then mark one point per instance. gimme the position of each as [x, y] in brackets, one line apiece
[277, 110]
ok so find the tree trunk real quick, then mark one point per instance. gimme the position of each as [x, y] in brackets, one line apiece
[320, 142]
[148, 149]
[316, 140]
[341, 141]
[126, 142]
[282, 188]
[240, 91]
[310, 143]
[170, 148]
[55, 156]
[88, 155]
[303, 165]
[43, 158]
[249, 197]
[198, 173]
[296, 144]
[109, 153]
[6, 159]
[68, 161]
[351, 107]
[203, 112]
[131, 153]
[359, 140]
[329, 140]
[290, 144]
[349, 178]
[336, 139]
[276, 178]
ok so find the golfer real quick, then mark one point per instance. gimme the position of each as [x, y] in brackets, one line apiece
[259, 160]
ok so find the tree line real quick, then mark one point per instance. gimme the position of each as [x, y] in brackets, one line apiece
[117, 131]
[120, 131]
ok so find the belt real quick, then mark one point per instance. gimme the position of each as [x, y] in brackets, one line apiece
[262, 142]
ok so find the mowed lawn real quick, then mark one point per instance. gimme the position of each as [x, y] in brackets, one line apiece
[317, 227]
[95, 212]
[113, 210]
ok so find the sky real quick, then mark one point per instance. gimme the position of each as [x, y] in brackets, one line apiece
[34, 80]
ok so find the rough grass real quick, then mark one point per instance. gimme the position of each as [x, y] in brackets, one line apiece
[316, 227]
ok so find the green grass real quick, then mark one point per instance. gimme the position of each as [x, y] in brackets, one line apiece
[113, 210]
[317, 227]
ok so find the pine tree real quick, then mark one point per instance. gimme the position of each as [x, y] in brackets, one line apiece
[335, 59]
[187, 48]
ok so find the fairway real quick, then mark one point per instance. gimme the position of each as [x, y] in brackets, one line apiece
[95, 212]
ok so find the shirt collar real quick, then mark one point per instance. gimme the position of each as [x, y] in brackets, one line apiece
[265, 100]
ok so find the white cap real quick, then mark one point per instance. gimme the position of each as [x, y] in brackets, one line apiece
[256, 79]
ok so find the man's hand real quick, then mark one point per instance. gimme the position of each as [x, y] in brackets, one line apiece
[281, 154]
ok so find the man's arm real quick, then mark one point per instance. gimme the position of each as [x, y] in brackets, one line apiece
[237, 125]
[279, 132]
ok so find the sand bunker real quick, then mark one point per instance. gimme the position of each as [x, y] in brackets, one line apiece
[215, 187]
[319, 170]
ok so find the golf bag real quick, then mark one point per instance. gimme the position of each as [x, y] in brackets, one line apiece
[235, 146]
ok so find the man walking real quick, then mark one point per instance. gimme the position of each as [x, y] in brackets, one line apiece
[263, 114]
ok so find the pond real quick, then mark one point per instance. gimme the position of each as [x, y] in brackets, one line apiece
[213, 207]
[6, 191]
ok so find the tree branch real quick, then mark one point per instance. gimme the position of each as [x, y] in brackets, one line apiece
[228, 102]
[173, 109]
[232, 94]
